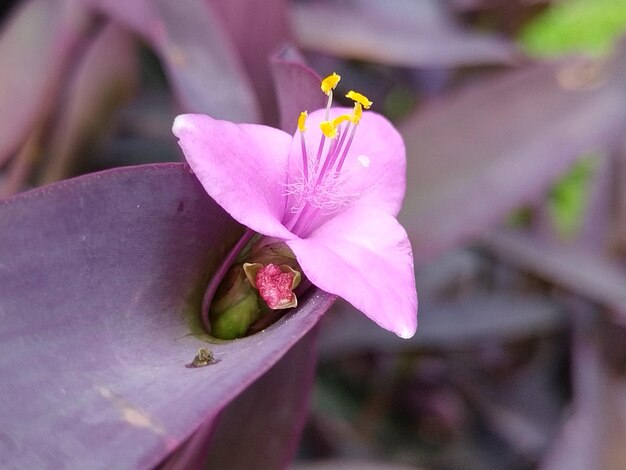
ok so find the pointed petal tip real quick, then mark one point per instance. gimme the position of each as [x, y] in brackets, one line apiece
[182, 124]
[406, 332]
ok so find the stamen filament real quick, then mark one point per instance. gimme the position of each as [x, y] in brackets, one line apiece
[300, 219]
[319, 150]
[303, 221]
[345, 150]
[328, 161]
[320, 191]
[328, 85]
[342, 139]
[305, 159]
[329, 102]
[357, 113]
[333, 152]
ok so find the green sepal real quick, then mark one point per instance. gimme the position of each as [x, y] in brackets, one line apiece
[236, 306]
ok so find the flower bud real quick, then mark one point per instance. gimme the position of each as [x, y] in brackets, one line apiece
[254, 289]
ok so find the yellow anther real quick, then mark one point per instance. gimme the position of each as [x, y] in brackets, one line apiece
[328, 129]
[341, 118]
[358, 112]
[330, 82]
[359, 98]
[302, 121]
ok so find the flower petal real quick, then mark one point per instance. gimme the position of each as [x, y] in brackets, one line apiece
[375, 165]
[242, 166]
[364, 256]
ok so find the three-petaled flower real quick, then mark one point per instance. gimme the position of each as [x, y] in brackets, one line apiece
[331, 193]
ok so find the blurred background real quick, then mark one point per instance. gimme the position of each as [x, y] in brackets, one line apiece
[513, 114]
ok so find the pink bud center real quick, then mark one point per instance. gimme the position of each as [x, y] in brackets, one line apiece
[275, 286]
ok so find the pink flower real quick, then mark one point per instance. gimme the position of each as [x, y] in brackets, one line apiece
[331, 193]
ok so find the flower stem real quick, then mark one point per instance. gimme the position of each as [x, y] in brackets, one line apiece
[218, 276]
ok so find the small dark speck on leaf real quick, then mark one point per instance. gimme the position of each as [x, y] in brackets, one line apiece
[181, 206]
[202, 359]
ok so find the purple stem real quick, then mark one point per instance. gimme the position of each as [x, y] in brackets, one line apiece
[218, 276]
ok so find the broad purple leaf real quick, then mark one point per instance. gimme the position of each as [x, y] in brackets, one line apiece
[100, 283]
[476, 154]
[256, 29]
[398, 32]
[274, 407]
[297, 87]
[196, 52]
[36, 46]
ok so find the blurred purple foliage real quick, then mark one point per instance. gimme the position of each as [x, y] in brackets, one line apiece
[519, 360]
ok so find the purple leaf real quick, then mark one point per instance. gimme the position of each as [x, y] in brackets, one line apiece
[593, 434]
[475, 155]
[36, 46]
[274, 407]
[466, 323]
[356, 464]
[256, 29]
[398, 32]
[619, 223]
[105, 79]
[297, 87]
[197, 54]
[601, 281]
[100, 283]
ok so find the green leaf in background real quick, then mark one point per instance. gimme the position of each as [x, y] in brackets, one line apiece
[575, 26]
[568, 198]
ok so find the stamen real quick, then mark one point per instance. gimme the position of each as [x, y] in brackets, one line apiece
[305, 158]
[358, 112]
[345, 150]
[321, 187]
[328, 162]
[328, 105]
[320, 149]
[337, 144]
[359, 98]
[342, 139]
[328, 129]
[330, 83]
[355, 119]
[302, 121]
[341, 118]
